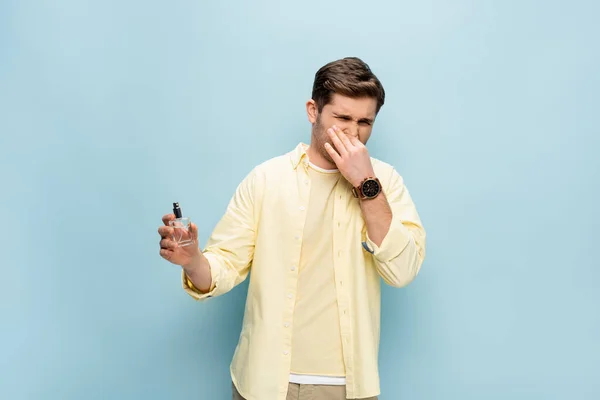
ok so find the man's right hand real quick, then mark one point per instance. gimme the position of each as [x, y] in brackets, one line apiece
[170, 251]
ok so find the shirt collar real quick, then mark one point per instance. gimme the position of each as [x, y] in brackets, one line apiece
[299, 155]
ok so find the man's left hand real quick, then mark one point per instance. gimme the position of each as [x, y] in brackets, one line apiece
[350, 156]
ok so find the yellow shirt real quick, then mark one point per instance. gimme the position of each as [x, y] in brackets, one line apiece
[262, 231]
[316, 336]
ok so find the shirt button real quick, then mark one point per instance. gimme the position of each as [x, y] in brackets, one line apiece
[286, 352]
[289, 296]
[297, 237]
[287, 324]
[293, 268]
[301, 208]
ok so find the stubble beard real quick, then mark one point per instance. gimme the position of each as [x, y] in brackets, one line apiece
[320, 138]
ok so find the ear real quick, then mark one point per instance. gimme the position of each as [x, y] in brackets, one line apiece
[312, 111]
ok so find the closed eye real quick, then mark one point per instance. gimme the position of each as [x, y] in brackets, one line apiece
[363, 121]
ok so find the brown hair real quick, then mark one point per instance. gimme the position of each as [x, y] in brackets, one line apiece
[350, 77]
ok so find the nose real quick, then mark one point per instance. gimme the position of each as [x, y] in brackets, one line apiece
[351, 129]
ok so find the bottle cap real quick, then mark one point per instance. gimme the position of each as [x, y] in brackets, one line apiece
[176, 210]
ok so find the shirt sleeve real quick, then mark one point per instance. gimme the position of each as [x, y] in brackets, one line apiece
[399, 257]
[230, 248]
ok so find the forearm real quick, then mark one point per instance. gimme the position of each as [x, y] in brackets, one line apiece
[198, 271]
[395, 235]
[378, 217]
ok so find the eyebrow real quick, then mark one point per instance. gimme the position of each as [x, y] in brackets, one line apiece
[368, 120]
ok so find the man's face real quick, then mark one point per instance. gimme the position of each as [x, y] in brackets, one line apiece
[354, 116]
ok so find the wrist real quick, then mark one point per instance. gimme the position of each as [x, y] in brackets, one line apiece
[194, 264]
[198, 272]
[357, 182]
[362, 176]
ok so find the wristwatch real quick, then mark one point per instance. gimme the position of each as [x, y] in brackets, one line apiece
[368, 189]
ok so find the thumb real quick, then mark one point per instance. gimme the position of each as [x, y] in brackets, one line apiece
[194, 231]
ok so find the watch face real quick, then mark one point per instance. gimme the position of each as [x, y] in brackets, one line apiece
[371, 188]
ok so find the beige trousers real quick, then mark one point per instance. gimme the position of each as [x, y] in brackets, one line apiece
[309, 392]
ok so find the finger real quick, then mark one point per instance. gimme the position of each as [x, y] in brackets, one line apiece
[168, 244]
[194, 231]
[343, 138]
[168, 217]
[334, 155]
[166, 254]
[339, 146]
[165, 231]
[356, 142]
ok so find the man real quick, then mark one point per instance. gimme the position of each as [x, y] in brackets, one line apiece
[319, 227]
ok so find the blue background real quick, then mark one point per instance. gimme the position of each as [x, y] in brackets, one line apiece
[111, 110]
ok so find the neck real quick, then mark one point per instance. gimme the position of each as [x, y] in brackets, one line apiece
[317, 159]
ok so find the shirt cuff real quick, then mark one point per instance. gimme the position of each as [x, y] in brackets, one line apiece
[193, 291]
[394, 242]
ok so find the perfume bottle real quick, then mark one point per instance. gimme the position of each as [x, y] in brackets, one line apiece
[181, 233]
